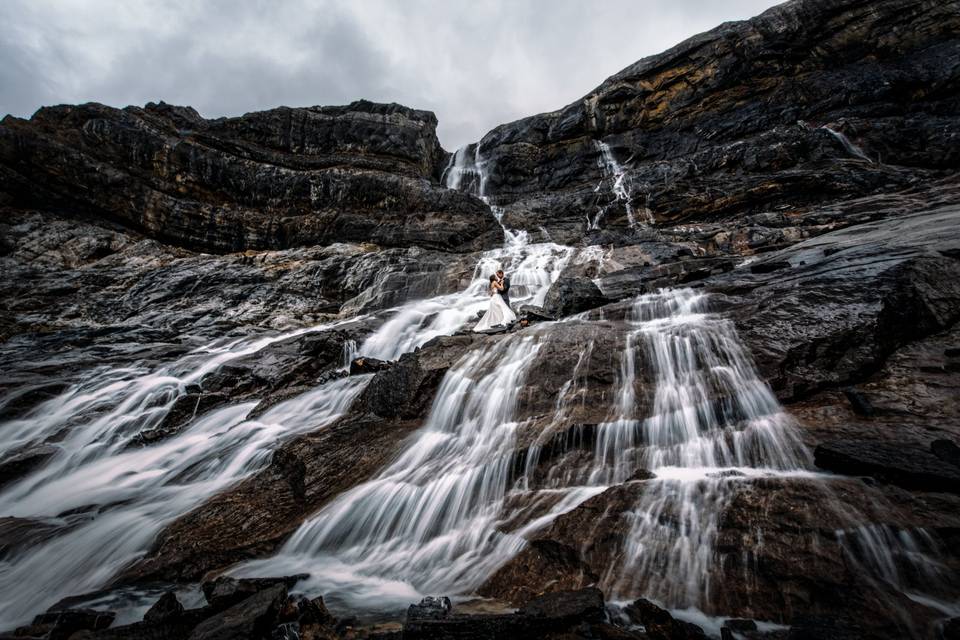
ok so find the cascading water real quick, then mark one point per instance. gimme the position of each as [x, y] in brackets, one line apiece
[848, 146]
[711, 417]
[689, 408]
[616, 174]
[463, 172]
[104, 500]
[532, 269]
[427, 522]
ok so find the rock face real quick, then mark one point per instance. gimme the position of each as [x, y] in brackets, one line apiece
[808, 103]
[269, 180]
[799, 170]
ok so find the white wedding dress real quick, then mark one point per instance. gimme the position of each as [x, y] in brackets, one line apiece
[498, 313]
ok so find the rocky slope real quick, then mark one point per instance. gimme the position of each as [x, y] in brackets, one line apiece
[184, 298]
[745, 119]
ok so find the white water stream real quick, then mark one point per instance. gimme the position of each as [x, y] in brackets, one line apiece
[109, 499]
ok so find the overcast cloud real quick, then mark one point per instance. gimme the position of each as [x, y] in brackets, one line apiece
[476, 64]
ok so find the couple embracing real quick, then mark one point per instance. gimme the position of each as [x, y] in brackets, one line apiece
[499, 313]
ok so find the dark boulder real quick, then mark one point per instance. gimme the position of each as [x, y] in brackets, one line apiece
[226, 591]
[534, 314]
[659, 624]
[430, 608]
[367, 365]
[166, 608]
[568, 296]
[252, 618]
[406, 389]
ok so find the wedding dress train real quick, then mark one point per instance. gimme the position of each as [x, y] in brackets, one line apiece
[498, 313]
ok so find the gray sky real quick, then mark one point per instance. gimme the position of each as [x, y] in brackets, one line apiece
[476, 63]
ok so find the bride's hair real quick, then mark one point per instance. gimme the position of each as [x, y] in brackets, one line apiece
[493, 277]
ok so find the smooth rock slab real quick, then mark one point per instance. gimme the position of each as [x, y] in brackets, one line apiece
[905, 464]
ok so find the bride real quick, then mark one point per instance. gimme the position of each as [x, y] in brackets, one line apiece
[498, 313]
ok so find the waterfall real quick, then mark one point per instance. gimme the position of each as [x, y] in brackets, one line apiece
[427, 522]
[848, 146]
[110, 500]
[532, 268]
[712, 423]
[616, 174]
[463, 172]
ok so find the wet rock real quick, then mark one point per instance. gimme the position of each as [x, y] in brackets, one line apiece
[367, 365]
[315, 612]
[951, 629]
[659, 624]
[28, 397]
[60, 625]
[252, 518]
[430, 608]
[19, 464]
[19, 534]
[901, 463]
[253, 617]
[836, 320]
[164, 609]
[576, 614]
[185, 409]
[860, 403]
[226, 591]
[571, 606]
[534, 314]
[740, 625]
[711, 148]
[568, 296]
[405, 390]
[946, 450]
[769, 267]
[826, 628]
[542, 566]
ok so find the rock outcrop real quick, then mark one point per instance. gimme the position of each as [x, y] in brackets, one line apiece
[269, 180]
[808, 103]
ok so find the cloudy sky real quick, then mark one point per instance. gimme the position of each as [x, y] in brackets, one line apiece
[475, 63]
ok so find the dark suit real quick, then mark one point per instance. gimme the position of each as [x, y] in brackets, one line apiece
[505, 292]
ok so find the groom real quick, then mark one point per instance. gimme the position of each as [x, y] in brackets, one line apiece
[505, 281]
